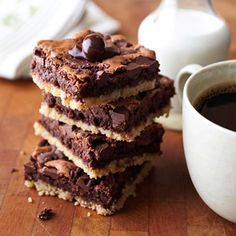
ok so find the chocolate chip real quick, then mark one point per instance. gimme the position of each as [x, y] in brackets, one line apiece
[51, 172]
[75, 173]
[96, 140]
[82, 183]
[51, 101]
[76, 51]
[46, 214]
[59, 155]
[118, 117]
[111, 51]
[47, 156]
[123, 43]
[38, 52]
[13, 170]
[43, 143]
[93, 47]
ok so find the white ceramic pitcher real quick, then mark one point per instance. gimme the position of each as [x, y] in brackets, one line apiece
[183, 32]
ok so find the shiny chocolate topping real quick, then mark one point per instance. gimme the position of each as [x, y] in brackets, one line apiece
[93, 48]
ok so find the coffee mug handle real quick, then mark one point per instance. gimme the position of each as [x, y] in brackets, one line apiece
[183, 76]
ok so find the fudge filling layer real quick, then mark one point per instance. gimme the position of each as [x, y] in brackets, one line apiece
[96, 150]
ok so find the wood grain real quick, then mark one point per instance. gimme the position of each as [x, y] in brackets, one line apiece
[128, 233]
[166, 203]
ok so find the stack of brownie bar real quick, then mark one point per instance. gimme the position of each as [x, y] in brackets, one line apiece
[100, 95]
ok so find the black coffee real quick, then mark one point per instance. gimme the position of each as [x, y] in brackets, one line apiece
[219, 106]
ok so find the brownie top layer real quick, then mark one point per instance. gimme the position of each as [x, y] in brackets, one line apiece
[96, 150]
[124, 114]
[53, 167]
[68, 64]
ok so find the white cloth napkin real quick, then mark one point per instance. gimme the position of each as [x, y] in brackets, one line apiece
[41, 19]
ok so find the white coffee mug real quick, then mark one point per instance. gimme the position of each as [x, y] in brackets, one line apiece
[210, 150]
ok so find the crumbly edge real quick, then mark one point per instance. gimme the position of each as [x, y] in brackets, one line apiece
[68, 101]
[44, 188]
[113, 167]
[128, 137]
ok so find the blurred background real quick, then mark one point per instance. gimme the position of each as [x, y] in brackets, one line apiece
[23, 22]
[139, 9]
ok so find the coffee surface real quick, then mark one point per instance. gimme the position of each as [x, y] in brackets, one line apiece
[219, 106]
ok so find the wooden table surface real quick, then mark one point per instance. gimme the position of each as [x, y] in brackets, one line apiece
[166, 204]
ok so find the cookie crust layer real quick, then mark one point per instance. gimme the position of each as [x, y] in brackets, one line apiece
[86, 103]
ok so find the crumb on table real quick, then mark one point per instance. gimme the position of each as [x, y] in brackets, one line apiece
[22, 152]
[46, 214]
[30, 200]
[13, 170]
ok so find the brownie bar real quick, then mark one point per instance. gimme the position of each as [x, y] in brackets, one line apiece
[50, 171]
[81, 82]
[96, 154]
[123, 119]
